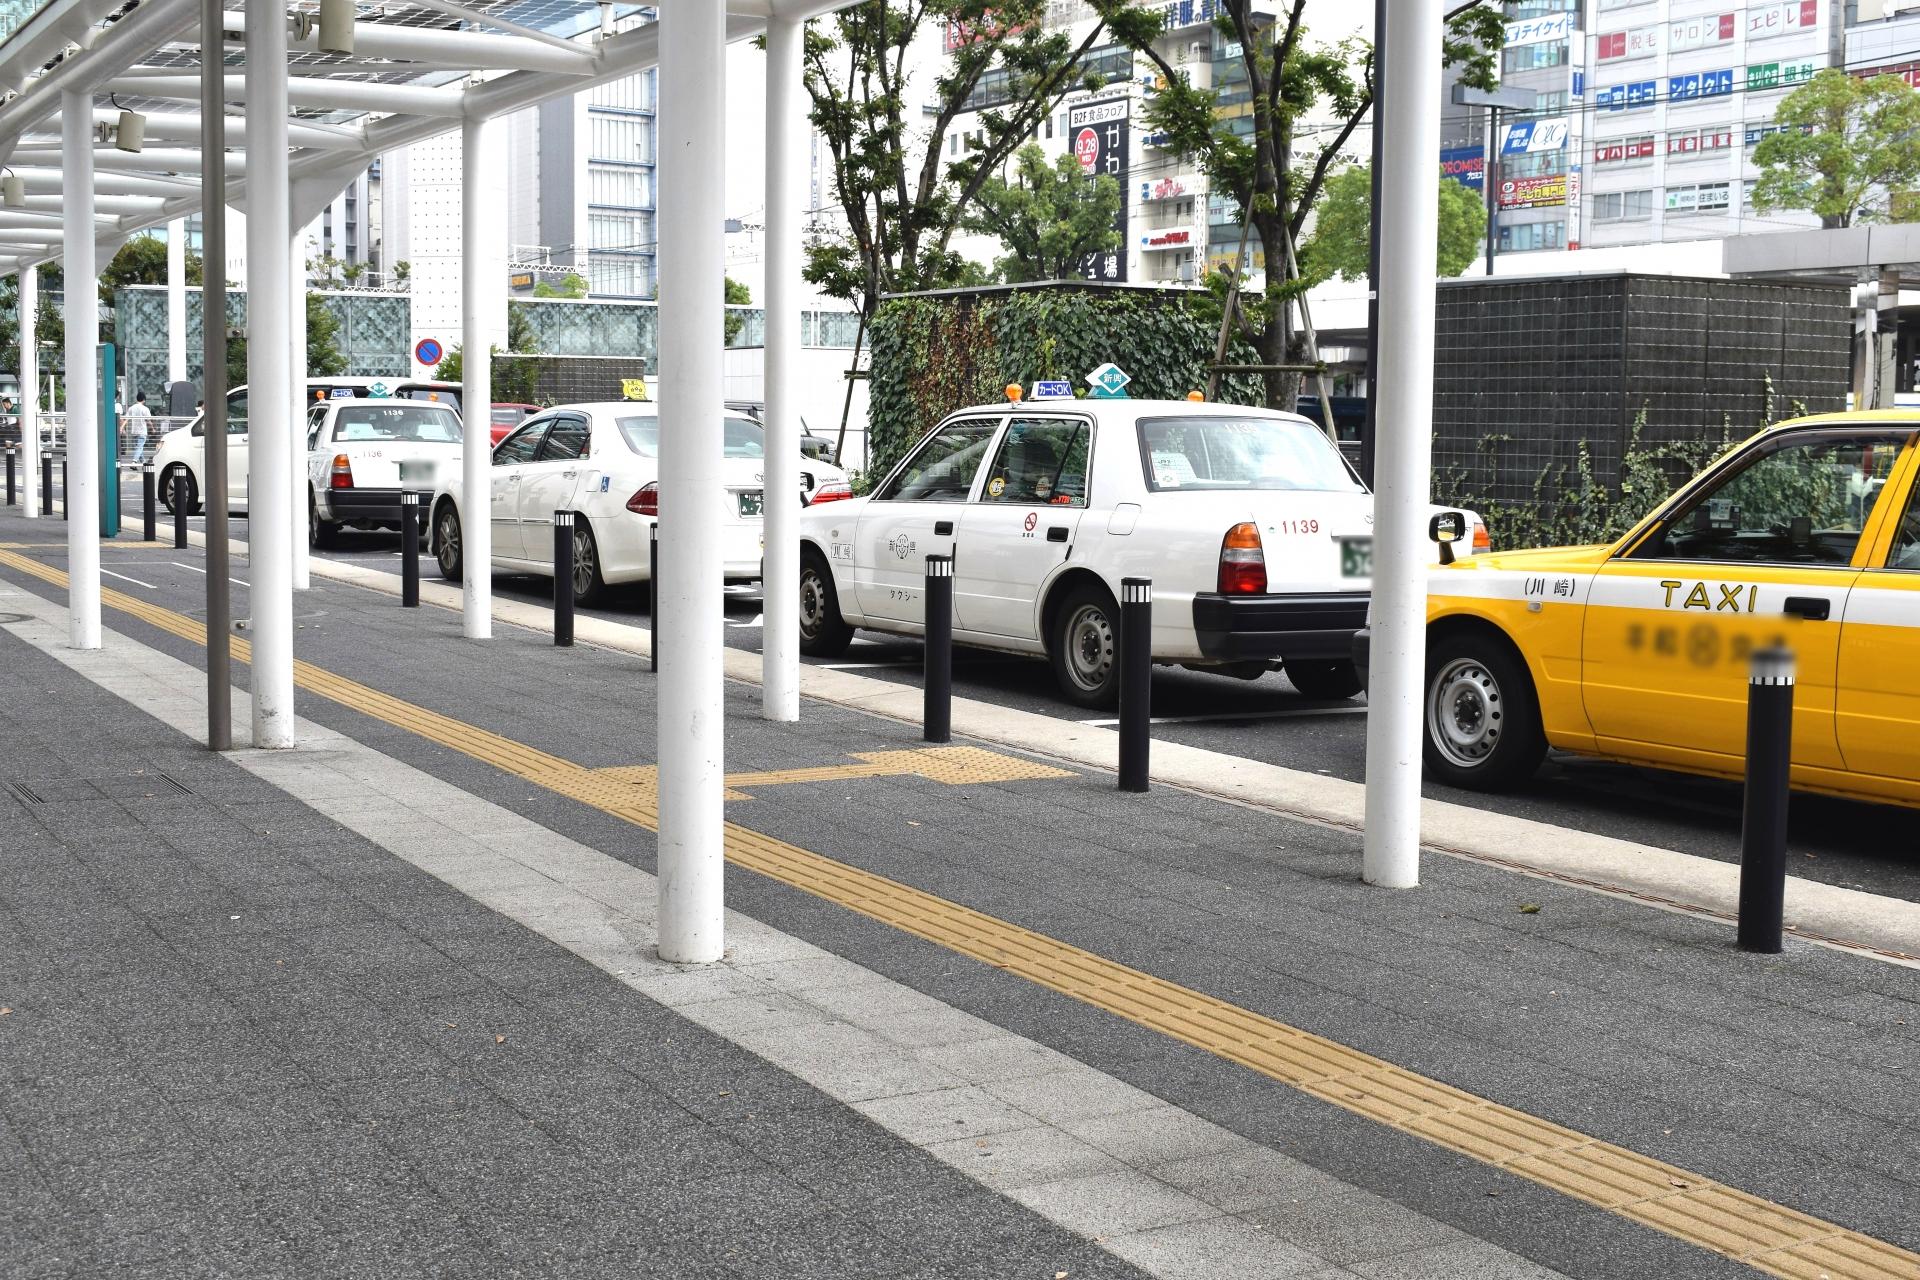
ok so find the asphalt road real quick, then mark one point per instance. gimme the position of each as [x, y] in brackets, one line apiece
[1863, 846]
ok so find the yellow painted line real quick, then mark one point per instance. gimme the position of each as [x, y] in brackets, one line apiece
[1675, 1201]
[107, 543]
[955, 766]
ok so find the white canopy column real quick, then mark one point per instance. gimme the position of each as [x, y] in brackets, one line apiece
[269, 378]
[30, 386]
[298, 499]
[83, 385]
[176, 302]
[483, 278]
[693, 112]
[786, 147]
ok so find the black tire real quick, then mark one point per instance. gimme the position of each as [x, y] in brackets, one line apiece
[1330, 680]
[323, 535]
[588, 586]
[823, 632]
[165, 481]
[1084, 646]
[448, 546]
[1482, 714]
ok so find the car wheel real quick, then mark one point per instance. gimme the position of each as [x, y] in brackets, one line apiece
[321, 534]
[1482, 714]
[166, 489]
[823, 632]
[1085, 647]
[1330, 681]
[588, 585]
[447, 546]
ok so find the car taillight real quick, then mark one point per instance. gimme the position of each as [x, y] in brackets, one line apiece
[342, 477]
[832, 491]
[1482, 541]
[646, 500]
[1243, 564]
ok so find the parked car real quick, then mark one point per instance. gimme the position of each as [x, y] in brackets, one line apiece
[507, 416]
[1256, 534]
[816, 447]
[360, 453]
[1806, 535]
[600, 461]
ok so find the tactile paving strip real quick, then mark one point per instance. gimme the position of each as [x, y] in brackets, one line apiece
[1769, 1237]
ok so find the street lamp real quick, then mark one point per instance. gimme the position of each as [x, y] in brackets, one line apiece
[1494, 100]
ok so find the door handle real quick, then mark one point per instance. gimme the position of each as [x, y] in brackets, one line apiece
[1812, 608]
[1057, 533]
[943, 528]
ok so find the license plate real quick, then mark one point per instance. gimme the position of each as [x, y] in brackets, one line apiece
[1356, 557]
[751, 502]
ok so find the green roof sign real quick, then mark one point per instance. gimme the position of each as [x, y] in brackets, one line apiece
[1109, 382]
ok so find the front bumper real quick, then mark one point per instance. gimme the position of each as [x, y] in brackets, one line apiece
[1307, 626]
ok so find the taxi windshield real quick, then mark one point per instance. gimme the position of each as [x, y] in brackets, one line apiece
[743, 438]
[422, 424]
[1241, 453]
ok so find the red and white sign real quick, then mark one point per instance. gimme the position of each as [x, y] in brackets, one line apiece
[1164, 189]
[1702, 32]
[1778, 19]
[1172, 238]
[1086, 149]
[1623, 150]
[1636, 42]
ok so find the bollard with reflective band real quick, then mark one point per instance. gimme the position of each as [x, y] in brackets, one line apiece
[66, 491]
[409, 550]
[1763, 818]
[936, 716]
[180, 509]
[149, 493]
[563, 578]
[653, 596]
[1136, 679]
[46, 484]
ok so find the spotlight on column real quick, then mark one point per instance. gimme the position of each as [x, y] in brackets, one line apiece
[336, 26]
[131, 133]
[13, 190]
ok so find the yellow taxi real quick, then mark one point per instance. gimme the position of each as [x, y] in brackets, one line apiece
[1807, 535]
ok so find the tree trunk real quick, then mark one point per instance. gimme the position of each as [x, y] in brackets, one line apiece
[1276, 334]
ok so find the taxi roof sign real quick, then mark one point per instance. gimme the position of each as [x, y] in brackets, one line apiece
[1109, 382]
[1052, 389]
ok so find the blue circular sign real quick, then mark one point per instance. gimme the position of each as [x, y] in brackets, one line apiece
[427, 351]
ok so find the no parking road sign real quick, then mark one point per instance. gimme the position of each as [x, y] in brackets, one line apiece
[427, 351]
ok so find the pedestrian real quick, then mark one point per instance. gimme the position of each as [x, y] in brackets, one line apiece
[137, 419]
[9, 424]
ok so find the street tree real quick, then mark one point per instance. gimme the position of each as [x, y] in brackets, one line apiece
[735, 294]
[1261, 156]
[901, 195]
[572, 285]
[49, 328]
[1848, 149]
[514, 375]
[1050, 217]
[1343, 228]
[324, 357]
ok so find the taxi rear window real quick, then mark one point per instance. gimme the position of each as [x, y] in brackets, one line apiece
[743, 438]
[1214, 453]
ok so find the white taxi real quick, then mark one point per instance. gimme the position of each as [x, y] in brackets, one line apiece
[1257, 536]
[362, 453]
[600, 461]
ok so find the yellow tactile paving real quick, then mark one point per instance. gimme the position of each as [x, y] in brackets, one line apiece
[955, 766]
[1770, 1237]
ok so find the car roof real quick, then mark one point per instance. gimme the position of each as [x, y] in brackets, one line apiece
[1128, 409]
[386, 401]
[631, 408]
[1854, 417]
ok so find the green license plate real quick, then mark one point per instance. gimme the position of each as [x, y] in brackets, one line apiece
[1356, 557]
[751, 502]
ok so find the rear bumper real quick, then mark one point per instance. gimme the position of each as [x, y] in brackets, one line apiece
[368, 506]
[1307, 627]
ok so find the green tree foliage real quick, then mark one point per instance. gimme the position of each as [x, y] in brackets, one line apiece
[902, 195]
[1275, 172]
[1849, 147]
[324, 357]
[1050, 217]
[1343, 228]
[49, 328]
[572, 285]
[514, 374]
[736, 295]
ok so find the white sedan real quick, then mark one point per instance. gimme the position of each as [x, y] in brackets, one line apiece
[600, 461]
[1257, 536]
[361, 453]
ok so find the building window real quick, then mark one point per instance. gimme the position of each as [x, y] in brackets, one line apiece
[1708, 197]
[621, 139]
[1622, 206]
[619, 230]
[1549, 103]
[1540, 164]
[620, 187]
[1548, 53]
[1526, 236]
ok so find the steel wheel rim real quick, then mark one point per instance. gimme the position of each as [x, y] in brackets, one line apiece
[813, 604]
[449, 540]
[582, 559]
[1089, 646]
[1465, 713]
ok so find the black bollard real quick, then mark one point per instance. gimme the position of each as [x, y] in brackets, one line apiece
[10, 486]
[179, 509]
[46, 485]
[1136, 679]
[563, 579]
[936, 717]
[1763, 818]
[653, 596]
[149, 492]
[409, 549]
[66, 492]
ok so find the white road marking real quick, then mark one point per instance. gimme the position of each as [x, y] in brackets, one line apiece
[868, 666]
[1286, 713]
[124, 578]
[235, 581]
[754, 623]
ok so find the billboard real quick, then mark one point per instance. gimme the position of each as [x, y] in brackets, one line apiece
[1699, 33]
[1554, 26]
[1533, 136]
[1465, 165]
[1097, 132]
[1534, 193]
[1778, 19]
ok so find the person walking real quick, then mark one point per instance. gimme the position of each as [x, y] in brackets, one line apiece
[137, 419]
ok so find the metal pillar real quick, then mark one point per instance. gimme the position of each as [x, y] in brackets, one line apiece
[213, 378]
[786, 146]
[30, 385]
[82, 502]
[269, 379]
[297, 357]
[1409, 229]
[177, 301]
[481, 237]
[693, 113]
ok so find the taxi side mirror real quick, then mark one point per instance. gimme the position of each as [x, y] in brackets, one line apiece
[1446, 528]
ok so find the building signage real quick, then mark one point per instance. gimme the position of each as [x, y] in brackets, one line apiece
[1622, 150]
[1465, 165]
[1701, 32]
[1554, 26]
[1531, 136]
[1700, 84]
[1184, 13]
[1097, 132]
[1782, 75]
[1778, 19]
[520, 280]
[1627, 97]
[1170, 238]
[1636, 42]
[1164, 189]
[1534, 193]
